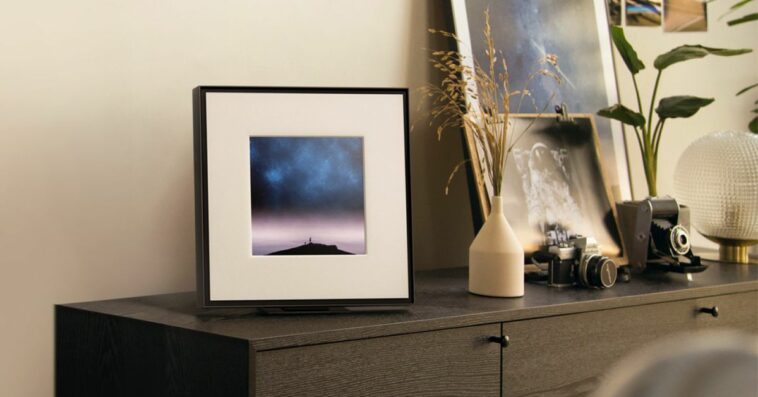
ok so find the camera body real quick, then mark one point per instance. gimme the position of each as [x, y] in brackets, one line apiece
[656, 235]
[578, 261]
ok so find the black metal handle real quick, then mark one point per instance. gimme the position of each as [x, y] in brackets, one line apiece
[714, 311]
[503, 341]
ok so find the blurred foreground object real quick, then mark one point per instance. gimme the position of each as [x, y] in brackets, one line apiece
[711, 363]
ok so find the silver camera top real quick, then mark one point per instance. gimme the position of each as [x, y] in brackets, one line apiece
[575, 247]
[588, 245]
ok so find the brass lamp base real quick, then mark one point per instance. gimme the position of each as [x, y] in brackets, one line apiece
[733, 250]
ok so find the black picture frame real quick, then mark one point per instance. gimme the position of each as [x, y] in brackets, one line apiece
[202, 211]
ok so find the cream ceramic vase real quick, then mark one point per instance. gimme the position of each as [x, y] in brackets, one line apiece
[496, 258]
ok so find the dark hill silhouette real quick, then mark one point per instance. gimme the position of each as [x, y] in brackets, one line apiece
[312, 249]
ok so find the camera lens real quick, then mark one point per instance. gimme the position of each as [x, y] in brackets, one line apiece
[598, 272]
[680, 241]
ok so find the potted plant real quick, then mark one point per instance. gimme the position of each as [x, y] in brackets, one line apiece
[647, 132]
[496, 257]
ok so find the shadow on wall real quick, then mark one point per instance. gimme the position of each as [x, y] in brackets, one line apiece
[442, 225]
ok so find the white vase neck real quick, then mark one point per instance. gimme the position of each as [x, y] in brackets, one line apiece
[497, 205]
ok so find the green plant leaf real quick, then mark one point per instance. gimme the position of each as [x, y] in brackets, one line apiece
[623, 114]
[680, 106]
[746, 18]
[746, 89]
[739, 4]
[753, 126]
[627, 52]
[734, 7]
[687, 52]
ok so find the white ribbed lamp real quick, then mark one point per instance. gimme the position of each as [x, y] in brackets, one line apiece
[717, 177]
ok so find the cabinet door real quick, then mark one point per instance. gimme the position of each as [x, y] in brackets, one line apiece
[456, 362]
[566, 355]
[735, 311]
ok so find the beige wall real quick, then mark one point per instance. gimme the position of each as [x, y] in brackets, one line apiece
[96, 180]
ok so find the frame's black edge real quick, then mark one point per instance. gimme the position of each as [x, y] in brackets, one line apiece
[477, 220]
[308, 90]
[473, 195]
[408, 197]
[201, 197]
[310, 303]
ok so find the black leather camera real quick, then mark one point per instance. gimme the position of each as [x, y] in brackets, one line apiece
[655, 232]
[577, 261]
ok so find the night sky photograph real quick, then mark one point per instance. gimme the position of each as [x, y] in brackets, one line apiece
[307, 196]
[564, 28]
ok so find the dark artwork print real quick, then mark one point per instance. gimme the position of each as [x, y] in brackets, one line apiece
[307, 196]
[555, 186]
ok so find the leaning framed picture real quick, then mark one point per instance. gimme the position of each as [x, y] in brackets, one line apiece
[302, 197]
[554, 185]
[576, 34]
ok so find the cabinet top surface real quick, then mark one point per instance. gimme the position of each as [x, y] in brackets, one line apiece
[442, 301]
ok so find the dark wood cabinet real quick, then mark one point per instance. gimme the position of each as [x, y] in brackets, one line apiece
[735, 311]
[560, 342]
[574, 350]
[456, 362]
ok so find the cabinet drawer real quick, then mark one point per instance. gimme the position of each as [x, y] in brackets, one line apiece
[565, 355]
[735, 311]
[456, 362]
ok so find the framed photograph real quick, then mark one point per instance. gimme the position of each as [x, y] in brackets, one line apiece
[577, 32]
[643, 13]
[685, 16]
[554, 184]
[302, 197]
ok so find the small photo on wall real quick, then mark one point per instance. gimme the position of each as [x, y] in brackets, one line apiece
[307, 195]
[643, 13]
[685, 16]
[614, 12]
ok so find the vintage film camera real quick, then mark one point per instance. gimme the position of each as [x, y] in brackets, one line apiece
[655, 232]
[577, 261]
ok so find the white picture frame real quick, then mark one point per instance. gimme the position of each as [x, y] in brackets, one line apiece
[594, 45]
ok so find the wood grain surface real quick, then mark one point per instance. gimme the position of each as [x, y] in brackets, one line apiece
[562, 340]
[567, 355]
[98, 355]
[442, 303]
[736, 311]
[458, 362]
